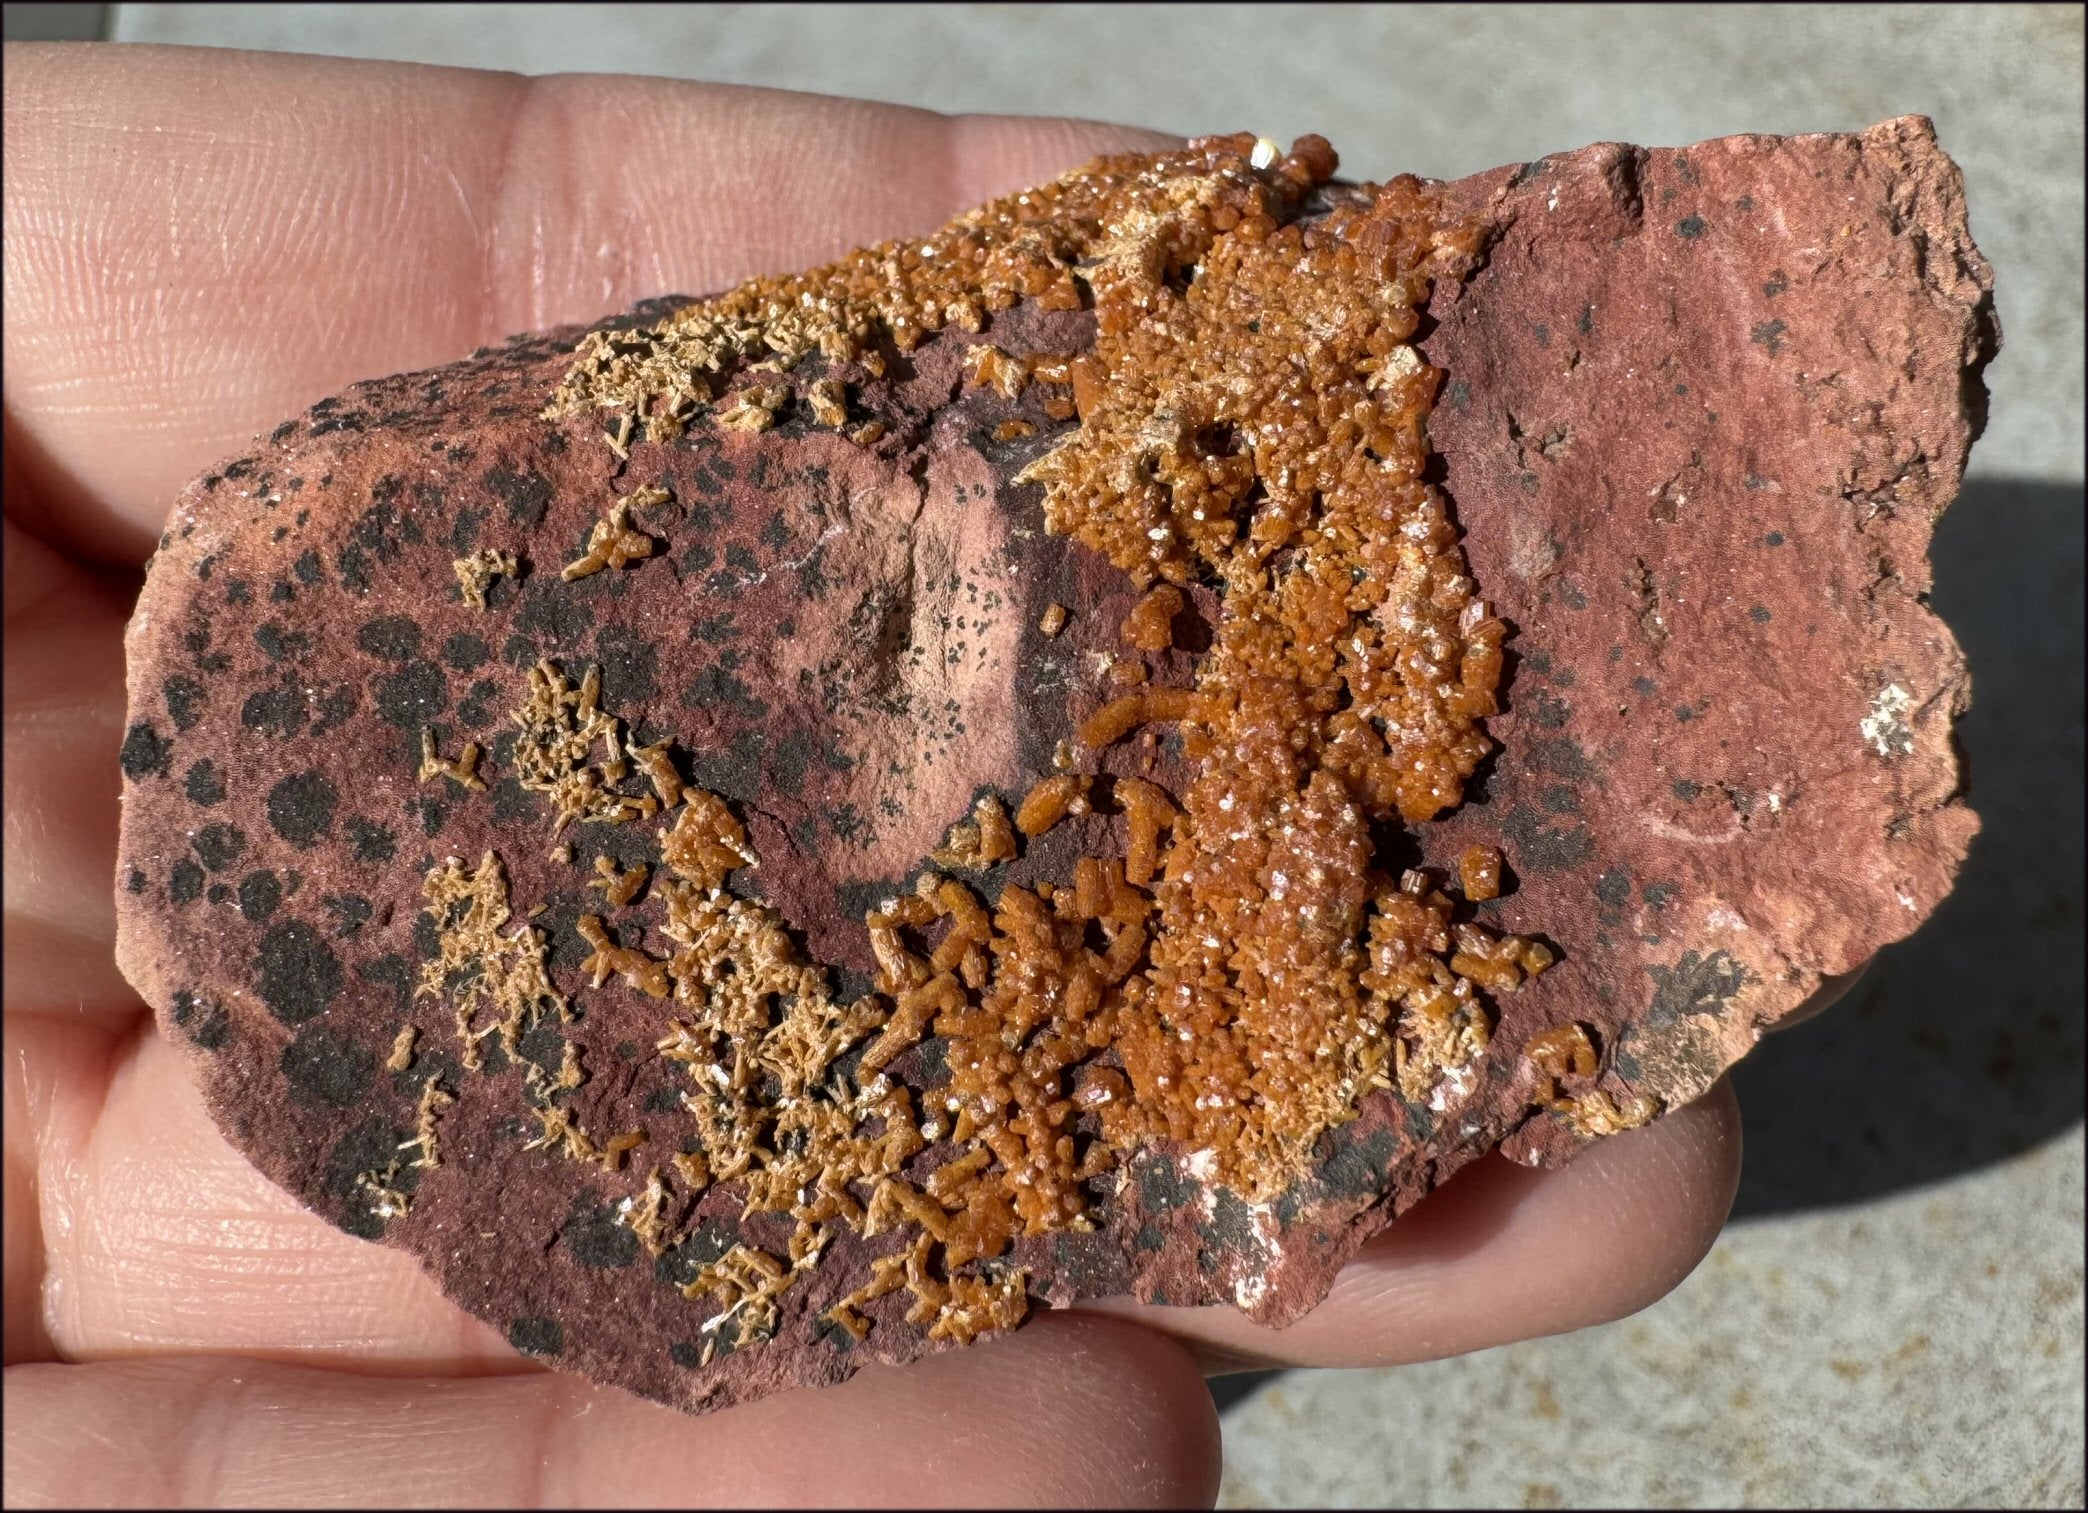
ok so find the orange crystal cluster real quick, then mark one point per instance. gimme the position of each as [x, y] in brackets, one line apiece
[1252, 416]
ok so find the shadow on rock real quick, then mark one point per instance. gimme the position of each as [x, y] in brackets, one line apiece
[1962, 1046]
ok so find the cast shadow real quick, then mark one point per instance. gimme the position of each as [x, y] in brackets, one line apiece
[1962, 1046]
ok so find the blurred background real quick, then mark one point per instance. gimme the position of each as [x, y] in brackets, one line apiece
[1894, 1316]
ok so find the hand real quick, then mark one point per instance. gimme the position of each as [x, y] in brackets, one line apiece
[199, 244]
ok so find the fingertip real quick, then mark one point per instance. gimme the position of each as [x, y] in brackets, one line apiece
[1503, 1253]
[1651, 1203]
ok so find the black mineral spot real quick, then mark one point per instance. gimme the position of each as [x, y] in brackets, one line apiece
[185, 882]
[335, 706]
[685, 1355]
[511, 801]
[368, 1150]
[1537, 847]
[219, 893]
[1690, 227]
[537, 1336]
[630, 667]
[1696, 984]
[1161, 1187]
[390, 972]
[1230, 1227]
[219, 846]
[413, 696]
[1559, 755]
[395, 638]
[1613, 888]
[1684, 714]
[476, 711]
[526, 495]
[775, 532]
[1657, 895]
[465, 651]
[1774, 538]
[283, 432]
[184, 698]
[372, 841]
[206, 1022]
[259, 894]
[279, 712]
[464, 529]
[202, 783]
[301, 808]
[741, 559]
[543, 1047]
[146, 753]
[1759, 614]
[322, 1067]
[1559, 799]
[1686, 791]
[277, 643]
[211, 1029]
[309, 569]
[717, 630]
[134, 881]
[1547, 709]
[679, 1266]
[1644, 686]
[1768, 334]
[718, 688]
[350, 911]
[549, 610]
[594, 1238]
[1358, 1166]
[298, 973]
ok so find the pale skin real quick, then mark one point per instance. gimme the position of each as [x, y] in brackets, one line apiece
[199, 244]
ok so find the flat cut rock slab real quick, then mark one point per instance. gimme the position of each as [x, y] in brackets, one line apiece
[1701, 410]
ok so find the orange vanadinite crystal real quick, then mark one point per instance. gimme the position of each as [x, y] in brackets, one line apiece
[1252, 416]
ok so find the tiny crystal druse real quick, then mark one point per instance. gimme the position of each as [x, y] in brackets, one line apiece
[1251, 419]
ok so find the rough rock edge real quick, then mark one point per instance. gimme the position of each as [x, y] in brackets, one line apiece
[1927, 212]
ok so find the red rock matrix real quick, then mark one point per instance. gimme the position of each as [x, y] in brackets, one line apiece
[1048, 760]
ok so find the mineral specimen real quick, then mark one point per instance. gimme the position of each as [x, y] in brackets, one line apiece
[1106, 750]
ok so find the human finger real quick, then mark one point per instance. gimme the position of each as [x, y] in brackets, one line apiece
[160, 1237]
[1503, 1253]
[190, 257]
[62, 716]
[1068, 1412]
